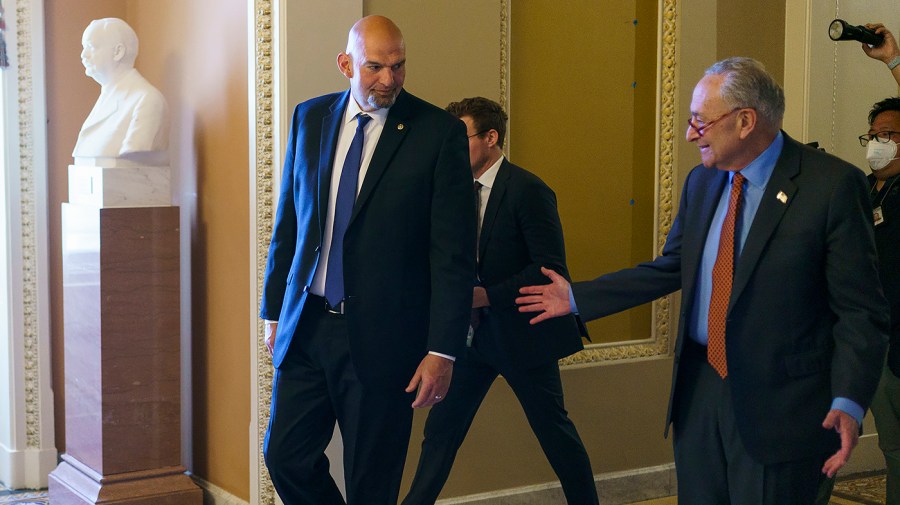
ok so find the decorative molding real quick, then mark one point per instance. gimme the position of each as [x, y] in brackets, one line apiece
[659, 342]
[264, 177]
[25, 91]
[504, 65]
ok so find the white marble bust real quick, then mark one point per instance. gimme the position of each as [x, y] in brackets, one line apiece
[128, 125]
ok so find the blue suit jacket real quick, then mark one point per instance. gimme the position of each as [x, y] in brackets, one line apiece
[806, 321]
[408, 250]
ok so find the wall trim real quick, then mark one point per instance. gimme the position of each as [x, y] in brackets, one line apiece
[27, 467]
[214, 495]
[28, 454]
[613, 487]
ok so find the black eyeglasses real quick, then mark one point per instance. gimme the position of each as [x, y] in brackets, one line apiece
[482, 132]
[880, 137]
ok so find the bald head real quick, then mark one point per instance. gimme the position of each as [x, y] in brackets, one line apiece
[375, 62]
[374, 29]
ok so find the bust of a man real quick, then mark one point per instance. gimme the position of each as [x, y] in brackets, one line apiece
[129, 121]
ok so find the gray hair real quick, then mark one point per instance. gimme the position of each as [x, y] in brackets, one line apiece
[121, 33]
[747, 84]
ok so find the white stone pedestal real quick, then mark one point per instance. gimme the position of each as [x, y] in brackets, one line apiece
[126, 186]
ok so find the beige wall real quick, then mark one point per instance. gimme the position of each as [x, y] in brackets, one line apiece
[755, 30]
[452, 47]
[584, 121]
[196, 54]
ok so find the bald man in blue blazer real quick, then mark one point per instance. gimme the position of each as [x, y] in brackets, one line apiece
[361, 339]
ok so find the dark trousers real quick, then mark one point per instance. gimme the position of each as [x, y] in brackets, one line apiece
[315, 386]
[539, 391]
[711, 463]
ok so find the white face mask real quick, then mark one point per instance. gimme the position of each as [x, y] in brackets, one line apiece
[879, 155]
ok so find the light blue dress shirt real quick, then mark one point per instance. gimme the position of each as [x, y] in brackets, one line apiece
[757, 173]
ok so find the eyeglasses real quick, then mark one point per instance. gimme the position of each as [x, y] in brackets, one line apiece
[482, 132]
[880, 137]
[701, 126]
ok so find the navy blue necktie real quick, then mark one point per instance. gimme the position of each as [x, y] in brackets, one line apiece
[343, 208]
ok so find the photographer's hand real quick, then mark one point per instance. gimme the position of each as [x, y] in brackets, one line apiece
[887, 51]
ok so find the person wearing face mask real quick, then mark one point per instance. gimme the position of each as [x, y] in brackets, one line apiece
[881, 152]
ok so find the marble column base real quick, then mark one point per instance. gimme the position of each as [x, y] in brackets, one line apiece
[74, 483]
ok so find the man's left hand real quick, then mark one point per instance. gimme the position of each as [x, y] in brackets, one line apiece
[432, 378]
[848, 429]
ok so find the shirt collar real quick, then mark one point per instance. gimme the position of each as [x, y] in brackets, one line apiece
[489, 175]
[378, 115]
[760, 170]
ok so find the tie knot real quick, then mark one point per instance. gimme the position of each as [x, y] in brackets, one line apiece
[362, 120]
[477, 185]
[738, 179]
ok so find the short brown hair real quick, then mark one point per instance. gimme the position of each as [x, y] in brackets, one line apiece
[486, 115]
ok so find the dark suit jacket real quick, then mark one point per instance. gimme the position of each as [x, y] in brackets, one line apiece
[408, 249]
[887, 241]
[806, 321]
[520, 233]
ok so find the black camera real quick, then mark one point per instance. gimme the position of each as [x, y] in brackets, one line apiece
[841, 30]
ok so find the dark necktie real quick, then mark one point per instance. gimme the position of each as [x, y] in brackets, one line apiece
[475, 318]
[343, 208]
[477, 186]
[722, 277]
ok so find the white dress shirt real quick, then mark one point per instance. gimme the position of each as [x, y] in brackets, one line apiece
[345, 137]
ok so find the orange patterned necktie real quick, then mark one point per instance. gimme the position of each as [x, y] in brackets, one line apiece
[722, 276]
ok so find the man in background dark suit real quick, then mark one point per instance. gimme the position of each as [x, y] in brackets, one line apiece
[780, 348]
[369, 275]
[520, 231]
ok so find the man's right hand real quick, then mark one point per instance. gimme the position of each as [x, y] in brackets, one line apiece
[271, 330]
[887, 50]
[551, 300]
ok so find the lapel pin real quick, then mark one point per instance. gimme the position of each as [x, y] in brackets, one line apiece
[400, 126]
[781, 197]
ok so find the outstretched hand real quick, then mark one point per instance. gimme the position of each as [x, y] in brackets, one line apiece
[848, 429]
[551, 300]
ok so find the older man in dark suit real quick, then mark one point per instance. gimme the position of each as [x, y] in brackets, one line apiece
[520, 232]
[369, 279]
[783, 325]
